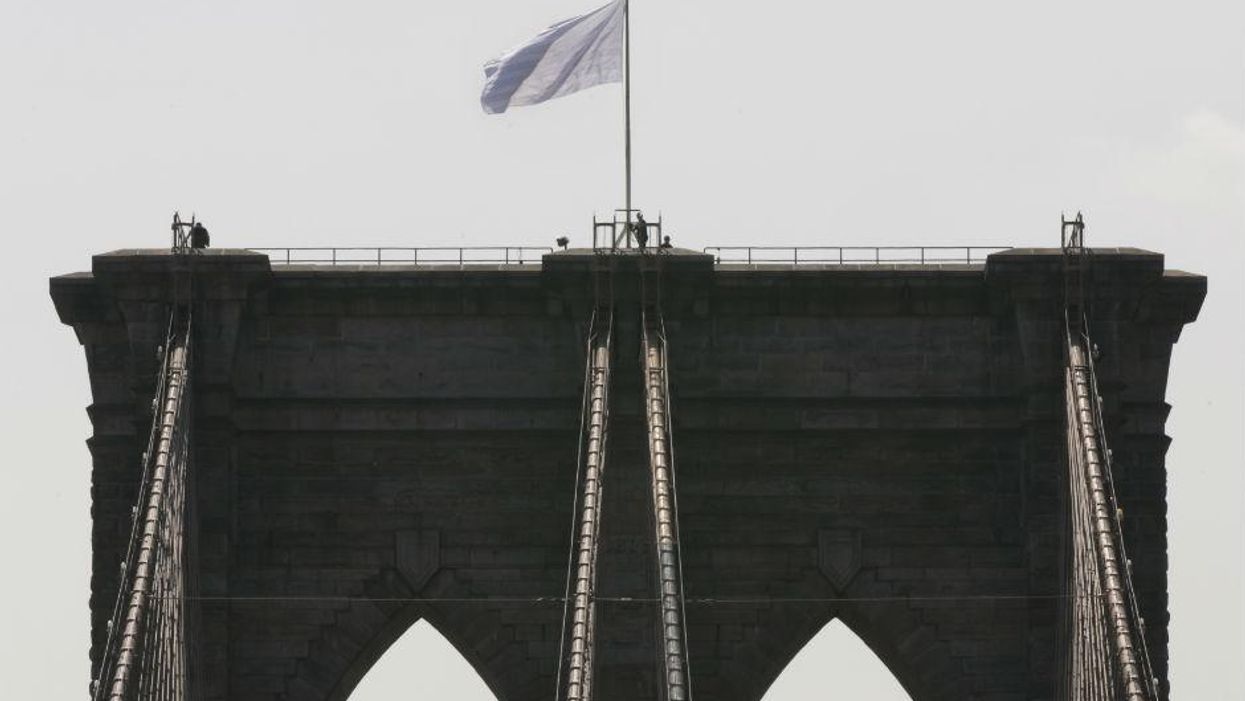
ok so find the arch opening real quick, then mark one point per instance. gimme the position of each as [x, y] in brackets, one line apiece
[421, 664]
[836, 659]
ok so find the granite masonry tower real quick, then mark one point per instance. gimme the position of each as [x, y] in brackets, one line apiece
[621, 476]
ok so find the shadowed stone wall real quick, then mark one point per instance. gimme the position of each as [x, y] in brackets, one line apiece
[881, 444]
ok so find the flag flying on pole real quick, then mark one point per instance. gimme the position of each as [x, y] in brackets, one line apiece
[570, 56]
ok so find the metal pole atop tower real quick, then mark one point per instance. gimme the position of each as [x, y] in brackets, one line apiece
[627, 102]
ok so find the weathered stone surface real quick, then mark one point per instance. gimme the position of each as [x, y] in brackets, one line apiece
[881, 444]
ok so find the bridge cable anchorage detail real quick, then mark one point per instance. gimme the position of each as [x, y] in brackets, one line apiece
[145, 653]
[1104, 651]
[670, 590]
[579, 613]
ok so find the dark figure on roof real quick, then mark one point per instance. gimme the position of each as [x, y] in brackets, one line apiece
[199, 237]
[641, 230]
[563, 242]
[665, 242]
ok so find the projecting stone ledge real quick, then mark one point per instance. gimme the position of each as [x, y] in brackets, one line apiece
[1030, 277]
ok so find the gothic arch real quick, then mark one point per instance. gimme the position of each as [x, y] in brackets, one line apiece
[908, 648]
[363, 630]
[371, 652]
[913, 653]
[845, 635]
[395, 628]
[421, 664]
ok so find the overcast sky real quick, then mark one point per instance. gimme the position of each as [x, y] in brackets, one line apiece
[895, 122]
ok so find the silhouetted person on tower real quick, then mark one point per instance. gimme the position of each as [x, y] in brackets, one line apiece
[641, 230]
[665, 242]
[199, 237]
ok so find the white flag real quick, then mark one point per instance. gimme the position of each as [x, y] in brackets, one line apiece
[570, 56]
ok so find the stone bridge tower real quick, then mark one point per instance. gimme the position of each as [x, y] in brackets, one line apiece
[374, 445]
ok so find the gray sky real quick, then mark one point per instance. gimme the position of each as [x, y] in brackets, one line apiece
[894, 122]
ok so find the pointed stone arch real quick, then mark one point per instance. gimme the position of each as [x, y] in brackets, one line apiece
[918, 658]
[912, 650]
[421, 664]
[362, 631]
[830, 669]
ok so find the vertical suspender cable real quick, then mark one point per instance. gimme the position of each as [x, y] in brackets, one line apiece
[1106, 657]
[144, 596]
[575, 509]
[108, 656]
[1114, 579]
[677, 680]
[577, 657]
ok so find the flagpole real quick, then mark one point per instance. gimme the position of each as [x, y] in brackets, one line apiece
[627, 106]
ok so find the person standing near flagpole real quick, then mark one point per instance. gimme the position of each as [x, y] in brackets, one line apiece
[641, 230]
[569, 56]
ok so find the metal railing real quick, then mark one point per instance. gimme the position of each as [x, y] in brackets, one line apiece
[852, 255]
[526, 255]
[423, 255]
